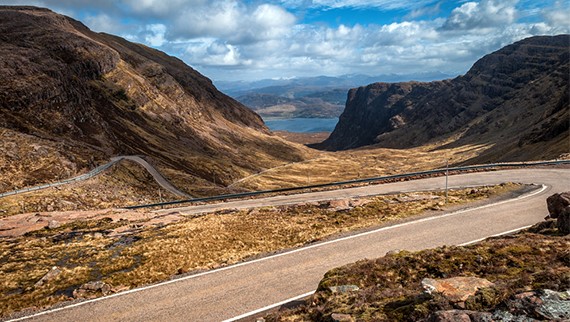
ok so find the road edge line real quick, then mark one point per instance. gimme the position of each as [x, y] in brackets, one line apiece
[245, 315]
[269, 307]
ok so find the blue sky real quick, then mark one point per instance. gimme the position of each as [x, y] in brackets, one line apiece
[256, 39]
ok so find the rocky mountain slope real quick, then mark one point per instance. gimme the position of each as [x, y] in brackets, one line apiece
[514, 100]
[71, 98]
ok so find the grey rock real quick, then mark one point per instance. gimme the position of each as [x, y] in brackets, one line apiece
[53, 224]
[504, 316]
[339, 317]
[344, 288]
[51, 275]
[555, 306]
[393, 252]
[543, 304]
[92, 289]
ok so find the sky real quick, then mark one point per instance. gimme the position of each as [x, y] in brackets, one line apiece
[260, 39]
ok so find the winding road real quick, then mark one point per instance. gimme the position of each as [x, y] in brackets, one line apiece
[162, 181]
[233, 291]
[154, 173]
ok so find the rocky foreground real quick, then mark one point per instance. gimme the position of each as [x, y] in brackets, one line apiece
[521, 277]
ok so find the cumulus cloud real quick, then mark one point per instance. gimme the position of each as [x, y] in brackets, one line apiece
[484, 14]
[234, 21]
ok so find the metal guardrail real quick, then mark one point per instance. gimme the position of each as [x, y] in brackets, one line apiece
[365, 180]
[82, 177]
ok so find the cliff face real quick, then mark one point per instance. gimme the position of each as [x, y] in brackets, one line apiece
[100, 95]
[515, 99]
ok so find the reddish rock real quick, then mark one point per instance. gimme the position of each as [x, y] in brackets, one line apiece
[455, 289]
[340, 204]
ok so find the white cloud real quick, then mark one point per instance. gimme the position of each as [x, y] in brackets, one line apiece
[558, 16]
[233, 21]
[156, 35]
[103, 23]
[383, 4]
[484, 14]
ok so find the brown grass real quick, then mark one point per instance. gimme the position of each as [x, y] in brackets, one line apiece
[125, 184]
[359, 163]
[152, 254]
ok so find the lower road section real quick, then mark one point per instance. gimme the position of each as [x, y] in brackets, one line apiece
[232, 291]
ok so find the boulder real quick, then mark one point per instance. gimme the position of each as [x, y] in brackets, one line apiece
[52, 274]
[557, 203]
[340, 204]
[543, 304]
[563, 221]
[92, 289]
[456, 289]
[53, 224]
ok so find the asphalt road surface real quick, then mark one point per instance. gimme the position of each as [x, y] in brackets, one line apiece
[235, 290]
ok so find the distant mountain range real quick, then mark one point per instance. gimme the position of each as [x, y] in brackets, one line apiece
[514, 101]
[322, 96]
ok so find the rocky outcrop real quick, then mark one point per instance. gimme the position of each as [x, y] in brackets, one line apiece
[515, 98]
[97, 95]
[557, 203]
[559, 207]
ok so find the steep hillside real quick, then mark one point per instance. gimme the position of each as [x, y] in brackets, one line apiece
[71, 98]
[514, 100]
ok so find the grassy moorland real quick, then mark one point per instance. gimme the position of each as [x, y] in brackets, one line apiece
[126, 254]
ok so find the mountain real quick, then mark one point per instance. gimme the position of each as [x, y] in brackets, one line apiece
[514, 100]
[71, 98]
[317, 97]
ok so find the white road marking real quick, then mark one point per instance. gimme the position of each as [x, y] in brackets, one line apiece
[269, 307]
[496, 235]
[279, 255]
[309, 293]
